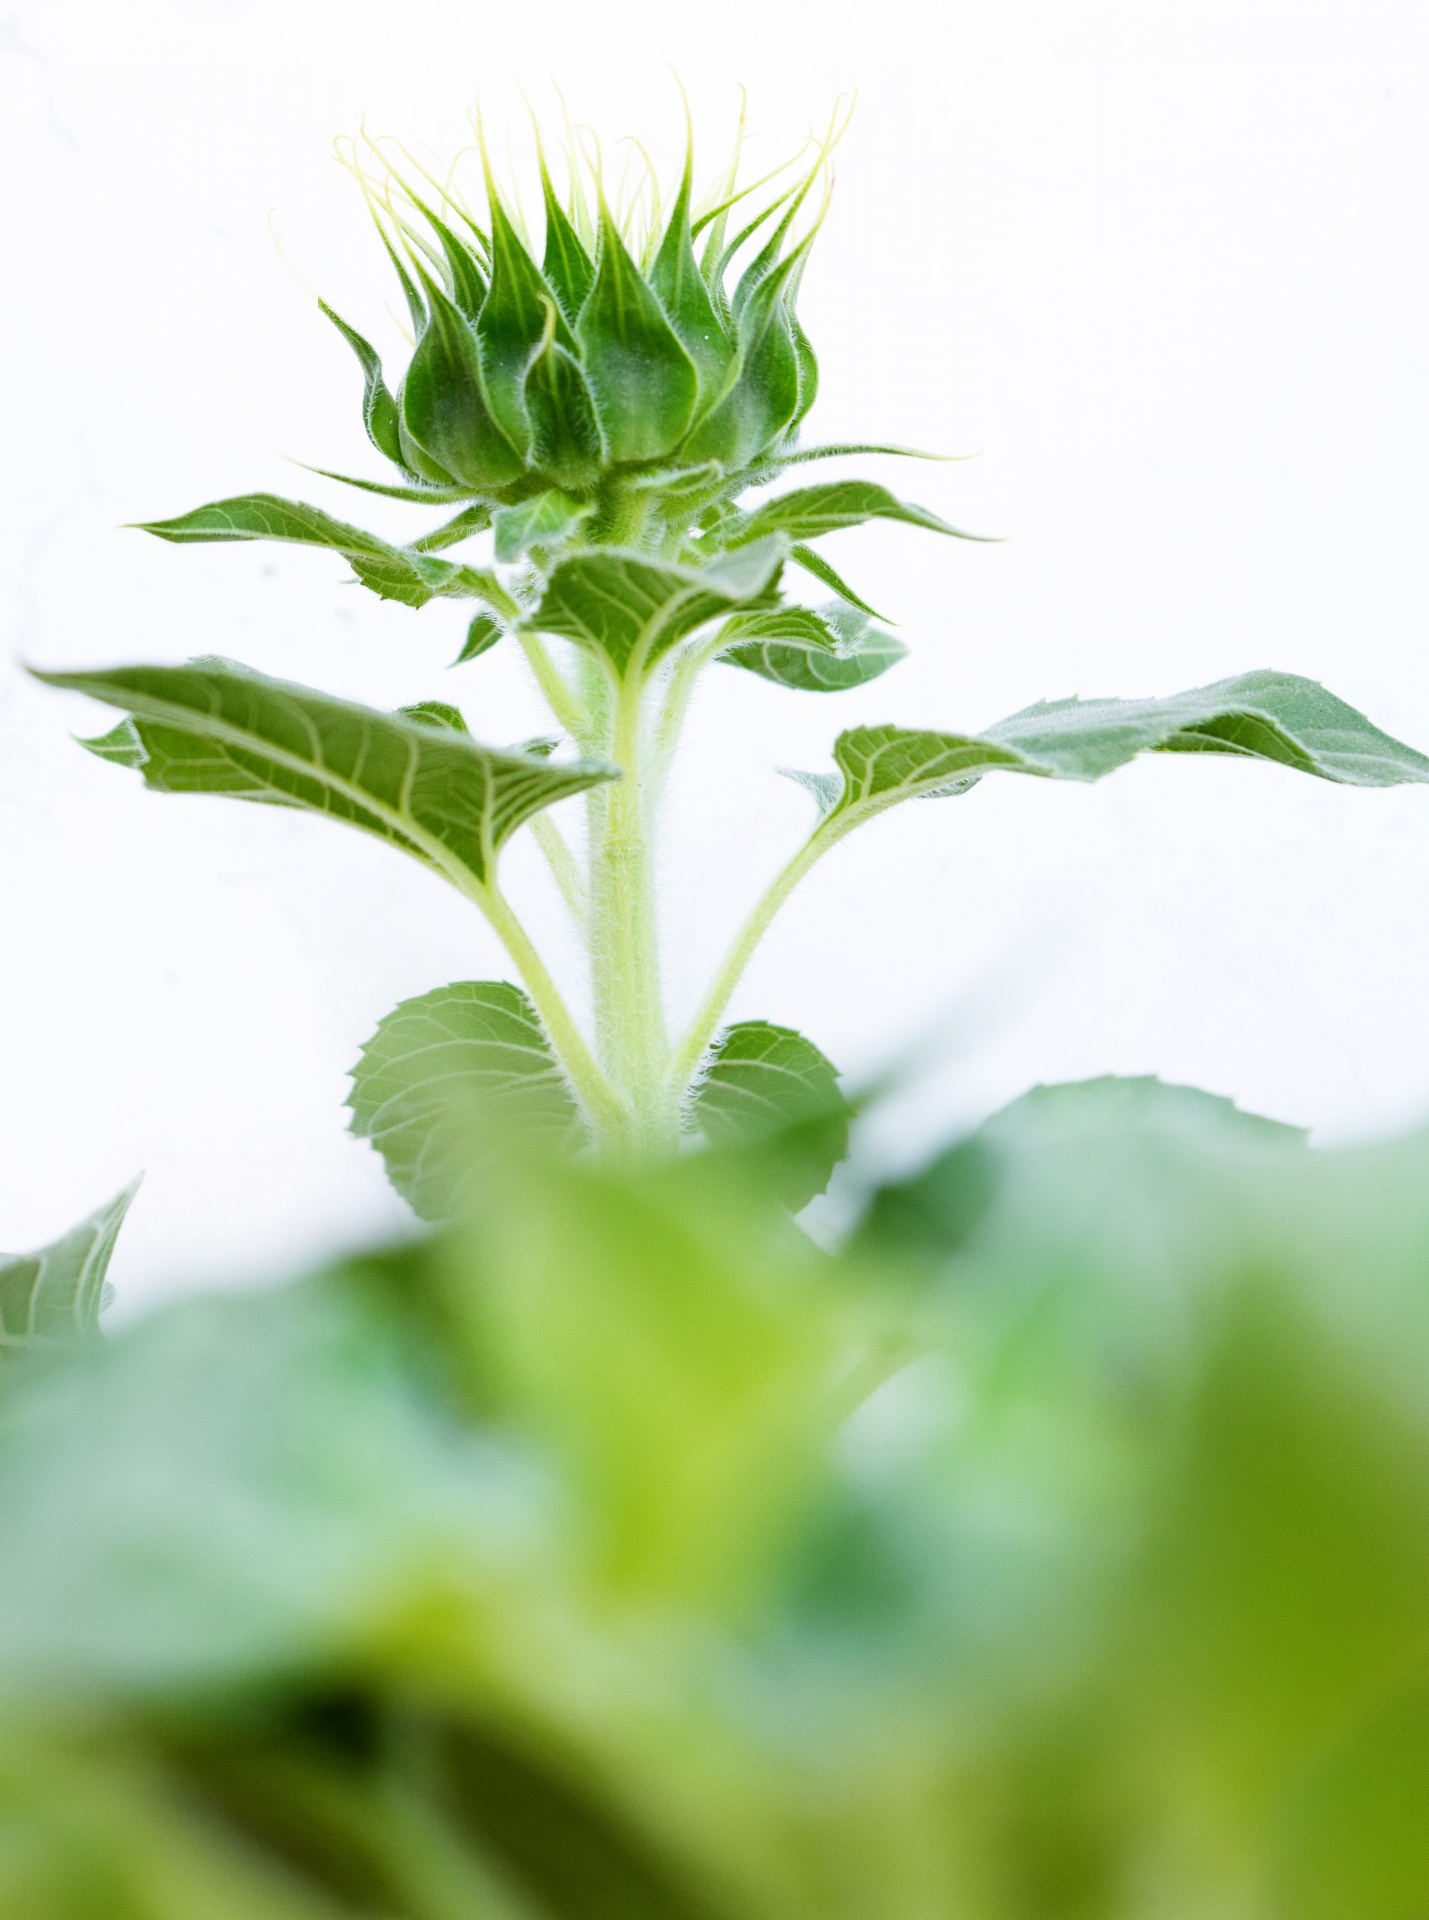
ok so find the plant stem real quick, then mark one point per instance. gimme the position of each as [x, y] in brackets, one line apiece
[602, 1101]
[690, 1050]
[624, 943]
[565, 868]
[553, 685]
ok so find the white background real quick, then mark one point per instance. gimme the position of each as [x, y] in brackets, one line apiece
[1162, 266]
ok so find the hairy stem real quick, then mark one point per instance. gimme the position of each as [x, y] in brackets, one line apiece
[624, 943]
[554, 685]
[565, 868]
[602, 1101]
[684, 1062]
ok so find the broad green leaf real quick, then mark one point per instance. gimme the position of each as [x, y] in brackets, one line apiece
[644, 382]
[810, 511]
[680, 287]
[434, 1058]
[764, 1080]
[229, 1490]
[545, 520]
[394, 573]
[481, 636]
[630, 608]
[54, 1296]
[445, 409]
[826, 651]
[818, 566]
[513, 323]
[1261, 716]
[379, 409]
[214, 727]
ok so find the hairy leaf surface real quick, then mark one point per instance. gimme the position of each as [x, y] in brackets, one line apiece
[632, 609]
[1263, 716]
[823, 651]
[393, 573]
[474, 1043]
[213, 727]
[764, 1080]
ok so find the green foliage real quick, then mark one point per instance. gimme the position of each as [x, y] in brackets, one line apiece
[611, 410]
[476, 1041]
[214, 727]
[55, 1295]
[1057, 1548]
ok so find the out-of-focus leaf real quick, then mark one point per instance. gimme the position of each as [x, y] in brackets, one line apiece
[644, 382]
[671, 1355]
[764, 1080]
[231, 1489]
[826, 651]
[54, 1295]
[213, 727]
[632, 609]
[434, 1058]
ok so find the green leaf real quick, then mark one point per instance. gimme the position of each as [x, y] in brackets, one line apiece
[462, 526]
[632, 609]
[214, 727]
[816, 564]
[481, 636]
[394, 573]
[764, 1080]
[565, 434]
[379, 409]
[513, 324]
[1262, 716]
[444, 404]
[826, 651]
[764, 398]
[476, 1043]
[545, 520]
[424, 495]
[568, 268]
[644, 382]
[54, 1296]
[810, 511]
[680, 287]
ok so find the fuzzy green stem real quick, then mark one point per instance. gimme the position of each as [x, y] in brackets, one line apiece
[554, 685]
[624, 943]
[565, 868]
[689, 1052]
[602, 1101]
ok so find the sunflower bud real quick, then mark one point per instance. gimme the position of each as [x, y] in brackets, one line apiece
[622, 370]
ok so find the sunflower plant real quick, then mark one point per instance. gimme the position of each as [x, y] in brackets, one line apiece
[617, 416]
